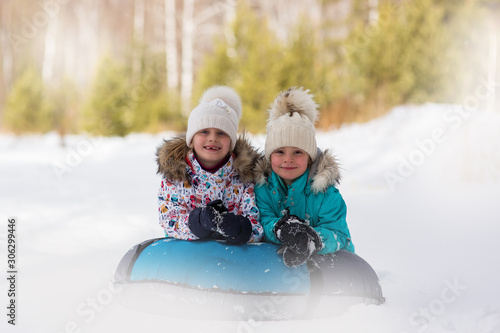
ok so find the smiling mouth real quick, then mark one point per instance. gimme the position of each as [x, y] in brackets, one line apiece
[211, 148]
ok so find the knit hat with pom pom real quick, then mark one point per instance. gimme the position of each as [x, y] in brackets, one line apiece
[220, 107]
[291, 122]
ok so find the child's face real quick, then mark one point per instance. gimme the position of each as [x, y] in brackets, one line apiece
[211, 145]
[289, 163]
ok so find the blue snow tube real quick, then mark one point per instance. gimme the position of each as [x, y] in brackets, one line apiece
[215, 280]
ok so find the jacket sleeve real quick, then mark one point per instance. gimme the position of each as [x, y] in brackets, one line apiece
[174, 211]
[332, 225]
[268, 217]
[248, 208]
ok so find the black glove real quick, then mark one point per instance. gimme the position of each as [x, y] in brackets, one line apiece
[236, 229]
[292, 231]
[299, 239]
[292, 259]
[203, 220]
[217, 205]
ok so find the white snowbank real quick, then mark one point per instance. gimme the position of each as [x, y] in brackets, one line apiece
[421, 184]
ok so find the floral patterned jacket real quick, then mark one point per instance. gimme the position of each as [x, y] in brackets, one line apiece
[185, 185]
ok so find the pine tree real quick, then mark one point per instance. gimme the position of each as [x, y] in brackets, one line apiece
[152, 106]
[26, 109]
[300, 64]
[108, 111]
[403, 58]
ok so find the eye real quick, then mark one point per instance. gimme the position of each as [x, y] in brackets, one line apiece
[298, 152]
[222, 133]
[278, 151]
[204, 131]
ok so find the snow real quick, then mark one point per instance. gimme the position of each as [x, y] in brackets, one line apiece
[422, 185]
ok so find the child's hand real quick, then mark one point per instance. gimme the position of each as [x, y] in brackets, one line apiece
[294, 255]
[300, 240]
[236, 229]
[217, 205]
[292, 231]
[203, 220]
[292, 259]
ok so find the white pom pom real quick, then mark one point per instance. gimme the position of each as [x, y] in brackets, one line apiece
[228, 95]
[294, 100]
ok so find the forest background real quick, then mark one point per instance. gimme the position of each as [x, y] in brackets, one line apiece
[112, 67]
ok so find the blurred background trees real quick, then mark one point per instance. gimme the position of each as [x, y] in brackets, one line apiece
[114, 67]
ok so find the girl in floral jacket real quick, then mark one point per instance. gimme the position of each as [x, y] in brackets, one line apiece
[207, 176]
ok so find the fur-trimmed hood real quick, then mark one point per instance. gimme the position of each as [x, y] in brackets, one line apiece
[172, 164]
[323, 173]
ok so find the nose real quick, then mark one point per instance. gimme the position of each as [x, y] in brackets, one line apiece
[287, 158]
[212, 136]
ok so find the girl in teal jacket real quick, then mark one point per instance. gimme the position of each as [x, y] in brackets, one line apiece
[300, 207]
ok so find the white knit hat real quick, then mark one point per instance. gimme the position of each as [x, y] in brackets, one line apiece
[220, 107]
[291, 122]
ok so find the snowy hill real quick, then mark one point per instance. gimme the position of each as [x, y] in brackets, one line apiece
[422, 186]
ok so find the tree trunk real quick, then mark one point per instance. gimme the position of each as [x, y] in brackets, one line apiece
[229, 17]
[5, 63]
[87, 26]
[187, 55]
[139, 13]
[492, 63]
[373, 11]
[171, 45]
[50, 50]
[6, 52]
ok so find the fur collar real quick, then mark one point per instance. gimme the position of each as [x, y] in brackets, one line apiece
[323, 173]
[171, 158]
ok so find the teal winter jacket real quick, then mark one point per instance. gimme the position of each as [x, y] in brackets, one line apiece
[312, 197]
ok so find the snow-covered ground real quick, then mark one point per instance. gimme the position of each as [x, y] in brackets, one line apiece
[422, 185]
